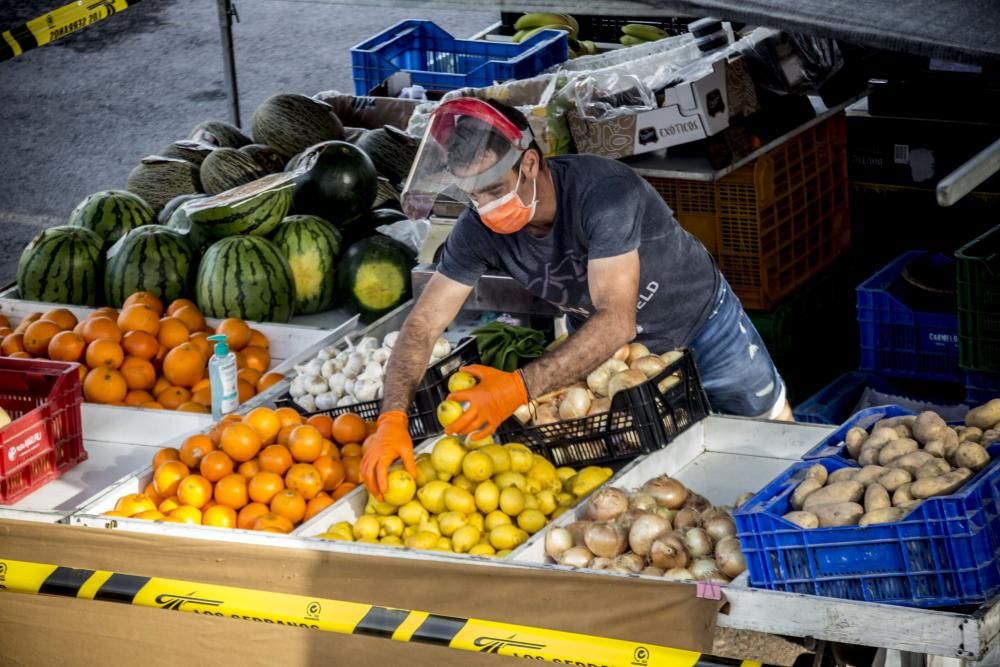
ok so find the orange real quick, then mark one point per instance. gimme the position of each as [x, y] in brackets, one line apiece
[4, 322]
[146, 298]
[167, 476]
[352, 467]
[12, 344]
[148, 515]
[187, 514]
[241, 361]
[317, 505]
[203, 383]
[305, 443]
[20, 355]
[37, 336]
[139, 317]
[257, 358]
[164, 455]
[268, 380]
[232, 491]
[137, 397]
[104, 311]
[27, 321]
[349, 427]
[62, 317]
[5, 331]
[237, 333]
[258, 339]
[194, 490]
[215, 465]
[249, 468]
[184, 365]
[66, 346]
[194, 449]
[172, 397]
[96, 328]
[161, 384]
[172, 332]
[201, 342]
[264, 486]
[161, 354]
[152, 405]
[285, 433]
[177, 304]
[249, 515]
[272, 523]
[138, 373]
[330, 449]
[323, 424]
[351, 449]
[241, 442]
[276, 459]
[191, 317]
[150, 492]
[343, 490]
[105, 353]
[305, 479]
[249, 375]
[202, 397]
[331, 472]
[140, 344]
[193, 406]
[290, 505]
[169, 505]
[288, 417]
[265, 422]
[245, 389]
[104, 385]
[219, 516]
[134, 503]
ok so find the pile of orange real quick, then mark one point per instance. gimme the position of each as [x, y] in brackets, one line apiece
[269, 470]
[145, 355]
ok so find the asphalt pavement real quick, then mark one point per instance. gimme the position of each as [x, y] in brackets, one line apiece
[78, 114]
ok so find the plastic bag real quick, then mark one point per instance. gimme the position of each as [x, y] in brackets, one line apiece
[411, 233]
[790, 63]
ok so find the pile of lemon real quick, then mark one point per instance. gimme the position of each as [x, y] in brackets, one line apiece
[478, 498]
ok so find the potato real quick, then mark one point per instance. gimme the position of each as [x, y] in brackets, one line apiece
[910, 505]
[933, 469]
[912, 462]
[876, 498]
[817, 472]
[902, 495]
[936, 448]
[903, 431]
[838, 492]
[854, 439]
[929, 426]
[895, 449]
[989, 436]
[841, 475]
[831, 515]
[805, 488]
[869, 454]
[884, 515]
[970, 433]
[893, 479]
[970, 455]
[942, 485]
[803, 519]
[869, 474]
[984, 416]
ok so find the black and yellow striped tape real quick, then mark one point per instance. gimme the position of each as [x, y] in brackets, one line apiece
[58, 23]
[464, 634]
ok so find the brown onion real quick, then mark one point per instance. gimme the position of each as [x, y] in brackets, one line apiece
[687, 518]
[600, 564]
[636, 351]
[628, 518]
[607, 504]
[678, 574]
[652, 571]
[605, 539]
[668, 552]
[621, 354]
[642, 501]
[697, 502]
[632, 562]
[557, 541]
[576, 557]
[702, 568]
[729, 557]
[742, 500]
[577, 529]
[668, 492]
[698, 542]
[719, 527]
[644, 531]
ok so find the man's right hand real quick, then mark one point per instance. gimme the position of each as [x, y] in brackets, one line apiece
[390, 441]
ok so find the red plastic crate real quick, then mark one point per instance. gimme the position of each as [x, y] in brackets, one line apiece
[45, 438]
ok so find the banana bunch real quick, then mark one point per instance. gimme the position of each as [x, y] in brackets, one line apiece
[634, 34]
[531, 24]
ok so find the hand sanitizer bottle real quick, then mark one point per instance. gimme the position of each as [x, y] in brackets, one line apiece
[222, 377]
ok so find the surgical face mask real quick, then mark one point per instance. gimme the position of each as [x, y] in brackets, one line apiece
[508, 214]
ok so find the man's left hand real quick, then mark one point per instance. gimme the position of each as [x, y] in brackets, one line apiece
[490, 402]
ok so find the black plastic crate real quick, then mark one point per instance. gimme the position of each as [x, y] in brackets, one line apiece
[978, 265]
[642, 419]
[423, 411]
[608, 29]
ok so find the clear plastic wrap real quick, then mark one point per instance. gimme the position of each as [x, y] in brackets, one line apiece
[789, 63]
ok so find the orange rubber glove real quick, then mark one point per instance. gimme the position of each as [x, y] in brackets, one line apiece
[490, 402]
[390, 441]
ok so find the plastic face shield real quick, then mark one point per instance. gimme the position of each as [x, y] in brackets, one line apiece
[469, 146]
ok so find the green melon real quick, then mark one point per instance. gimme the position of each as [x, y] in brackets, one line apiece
[62, 265]
[191, 151]
[153, 259]
[245, 277]
[311, 245]
[159, 179]
[226, 168]
[255, 208]
[392, 151]
[111, 214]
[219, 133]
[375, 276]
[291, 123]
[266, 157]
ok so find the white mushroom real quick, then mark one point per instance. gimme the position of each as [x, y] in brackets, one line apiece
[390, 339]
[326, 401]
[307, 402]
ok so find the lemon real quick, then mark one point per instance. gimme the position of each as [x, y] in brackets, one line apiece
[422, 540]
[383, 508]
[448, 412]
[511, 501]
[566, 499]
[515, 479]
[459, 500]
[463, 482]
[443, 544]
[532, 485]
[366, 528]
[507, 536]
[391, 541]
[345, 537]
[477, 466]
[475, 519]
[390, 526]
[482, 550]
[494, 519]
[340, 526]
[425, 472]
[370, 505]
[461, 381]
[450, 522]
[431, 496]
[520, 457]
[430, 526]
[531, 521]
[545, 473]
[559, 512]
[401, 488]
[471, 444]
[447, 455]
[465, 538]
[367, 540]
[487, 496]
[501, 459]
[567, 484]
[444, 477]
[547, 502]
[530, 502]
[587, 480]
[564, 473]
[503, 553]
[413, 513]
[422, 456]
[409, 532]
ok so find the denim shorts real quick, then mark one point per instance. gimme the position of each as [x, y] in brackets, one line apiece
[735, 366]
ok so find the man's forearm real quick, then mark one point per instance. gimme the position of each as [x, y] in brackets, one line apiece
[585, 350]
[407, 365]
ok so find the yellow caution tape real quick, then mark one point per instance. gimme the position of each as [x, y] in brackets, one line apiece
[463, 634]
[58, 23]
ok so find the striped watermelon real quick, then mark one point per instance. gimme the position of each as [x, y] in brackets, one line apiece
[153, 259]
[245, 277]
[311, 245]
[255, 208]
[112, 214]
[62, 265]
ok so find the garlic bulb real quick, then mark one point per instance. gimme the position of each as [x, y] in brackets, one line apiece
[365, 390]
[326, 401]
[355, 364]
[336, 384]
[390, 339]
[307, 402]
[329, 368]
[297, 387]
[324, 354]
[373, 371]
[345, 401]
[575, 403]
[315, 385]
[342, 357]
[381, 355]
[367, 345]
[349, 387]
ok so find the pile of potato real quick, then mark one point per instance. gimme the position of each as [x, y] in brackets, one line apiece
[904, 460]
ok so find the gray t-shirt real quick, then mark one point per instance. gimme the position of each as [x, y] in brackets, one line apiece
[604, 209]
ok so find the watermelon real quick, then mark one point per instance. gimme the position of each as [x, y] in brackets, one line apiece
[159, 179]
[255, 208]
[111, 213]
[62, 265]
[175, 217]
[311, 245]
[375, 276]
[291, 123]
[367, 224]
[245, 277]
[227, 168]
[336, 181]
[153, 259]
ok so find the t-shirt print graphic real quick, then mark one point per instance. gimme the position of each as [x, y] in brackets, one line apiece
[555, 282]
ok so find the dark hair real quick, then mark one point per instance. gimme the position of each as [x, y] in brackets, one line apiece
[465, 144]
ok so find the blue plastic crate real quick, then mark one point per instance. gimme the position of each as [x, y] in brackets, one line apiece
[439, 62]
[899, 341]
[981, 387]
[832, 446]
[834, 403]
[943, 554]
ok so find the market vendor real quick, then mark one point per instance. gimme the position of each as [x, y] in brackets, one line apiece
[584, 233]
